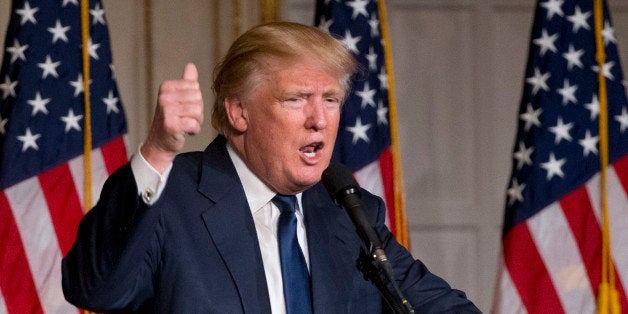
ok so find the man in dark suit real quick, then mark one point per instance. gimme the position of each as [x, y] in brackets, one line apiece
[203, 232]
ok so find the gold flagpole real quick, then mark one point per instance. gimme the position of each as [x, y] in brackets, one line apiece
[608, 299]
[401, 224]
[87, 133]
[270, 10]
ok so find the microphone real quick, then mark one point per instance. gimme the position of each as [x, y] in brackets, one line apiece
[345, 191]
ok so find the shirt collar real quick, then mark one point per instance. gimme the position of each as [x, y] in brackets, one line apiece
[257, 193]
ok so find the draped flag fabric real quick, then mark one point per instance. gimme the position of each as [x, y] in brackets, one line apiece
[552, 235]
[365, 142]
[41, 144]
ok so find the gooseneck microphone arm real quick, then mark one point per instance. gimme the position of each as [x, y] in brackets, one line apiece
[373, 262]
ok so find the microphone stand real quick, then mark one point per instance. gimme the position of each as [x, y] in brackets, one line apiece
[375, 270]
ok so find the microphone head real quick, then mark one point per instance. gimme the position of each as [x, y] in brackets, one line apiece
[338, 179]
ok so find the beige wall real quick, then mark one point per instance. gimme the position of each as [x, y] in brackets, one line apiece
[459, 67]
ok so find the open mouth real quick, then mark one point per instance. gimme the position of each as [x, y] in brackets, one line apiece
[310, 150]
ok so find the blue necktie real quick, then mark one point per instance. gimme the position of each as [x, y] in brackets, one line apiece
[295, 276]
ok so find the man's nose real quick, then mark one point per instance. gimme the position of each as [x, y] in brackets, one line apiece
[316, 115]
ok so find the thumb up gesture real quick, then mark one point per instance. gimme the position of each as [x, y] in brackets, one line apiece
[179, 112]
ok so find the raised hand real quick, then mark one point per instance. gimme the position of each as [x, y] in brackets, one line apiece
[179, 112]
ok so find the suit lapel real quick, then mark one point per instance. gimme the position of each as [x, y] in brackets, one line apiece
[328, 228]
[231, 227]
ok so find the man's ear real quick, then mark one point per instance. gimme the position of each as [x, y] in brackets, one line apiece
[236, 114]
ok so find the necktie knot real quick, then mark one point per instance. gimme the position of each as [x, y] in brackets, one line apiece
[286, 203]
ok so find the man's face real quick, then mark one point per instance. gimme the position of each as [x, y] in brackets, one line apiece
[291, 122]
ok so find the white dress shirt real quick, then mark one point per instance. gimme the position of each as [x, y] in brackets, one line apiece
[265, 215]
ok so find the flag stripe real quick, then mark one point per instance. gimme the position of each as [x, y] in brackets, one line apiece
[558, 248]
[528, 272]
[99, 174]
[64, 205]
[3, 308]
[16, 281]
[369, 177]
[31, 214]
[114, 154]
[386, 173]
[621, 170]
[508, 300]
[618, 211]
[584, 226]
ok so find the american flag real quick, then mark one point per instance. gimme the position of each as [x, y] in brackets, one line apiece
[552, 234]
[41, 144]
[364, 141]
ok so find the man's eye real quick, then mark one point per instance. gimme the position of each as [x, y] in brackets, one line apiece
[332, 102]
[294, 102]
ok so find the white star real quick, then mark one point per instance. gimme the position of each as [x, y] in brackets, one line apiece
[561, 131]
[568, 92]
[622, 119]
[515, 192]
[91, 47]
[374, 24]
[351, 42]
[8, 87]
[49, 67]
[589, 144]
[71, 121]
[78, 85]
[383, 78]
[382, 113]
[359, 131]
[523, 155]
[111, 102]
[579, 19]
[58, 32]
[546, 42]
[39, 104]
[372, 59]
[65, 2]
[98, 14]
[359, 7]
[29, 140]
[554, 166]
[573, 57]
[538, 81]
[17, 51]
[324, 24]
[27, 13]
[594, 107]
[531, 117]
[3, 123]
[367, 95]
[608, 33]
[113, 71]
[606, 70]
[553, 7]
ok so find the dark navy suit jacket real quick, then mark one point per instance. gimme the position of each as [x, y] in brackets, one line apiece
[196, 250]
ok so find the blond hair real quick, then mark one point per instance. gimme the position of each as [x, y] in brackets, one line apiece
[250, 55]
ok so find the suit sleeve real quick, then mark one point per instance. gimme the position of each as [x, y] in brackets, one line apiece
[426, 292]
[111, 263]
